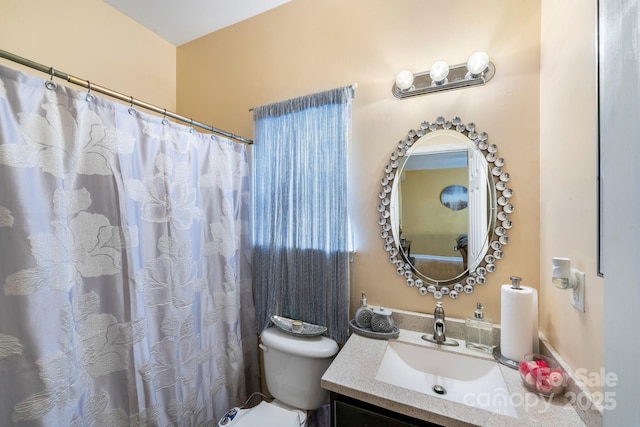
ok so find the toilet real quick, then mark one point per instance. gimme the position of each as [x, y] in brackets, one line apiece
[293, 367]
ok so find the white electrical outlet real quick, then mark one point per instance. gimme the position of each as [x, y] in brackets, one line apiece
[577, 293]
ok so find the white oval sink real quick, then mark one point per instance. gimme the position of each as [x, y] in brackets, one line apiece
[464, 379]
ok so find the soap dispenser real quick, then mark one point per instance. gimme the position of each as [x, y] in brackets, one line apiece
[363, 314]
[478, 331]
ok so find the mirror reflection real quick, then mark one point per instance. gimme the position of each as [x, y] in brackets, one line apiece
[427, 228]
[439, 207]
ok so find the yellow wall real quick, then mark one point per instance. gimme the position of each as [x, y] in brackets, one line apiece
[534, 108]
[424, 217]
[568, 209]
[93, 41]
[307, 46]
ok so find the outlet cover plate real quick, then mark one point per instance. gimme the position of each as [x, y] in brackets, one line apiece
[577, 293]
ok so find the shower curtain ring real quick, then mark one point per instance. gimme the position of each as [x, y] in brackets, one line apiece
[164, 118]
[50, 84]
[89, 97]
[132, 110]
[192, 130]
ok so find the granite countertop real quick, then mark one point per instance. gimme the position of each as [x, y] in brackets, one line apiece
[353, 372]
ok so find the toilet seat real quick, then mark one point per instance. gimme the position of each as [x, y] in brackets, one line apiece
[265, 415]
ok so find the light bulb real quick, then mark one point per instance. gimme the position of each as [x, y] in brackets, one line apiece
[477, 63]
[439, 71]
[404, 80]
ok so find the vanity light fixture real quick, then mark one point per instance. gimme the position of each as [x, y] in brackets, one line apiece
[478, 70]
[565, 277]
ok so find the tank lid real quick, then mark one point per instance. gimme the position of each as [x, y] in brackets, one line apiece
[317, 347]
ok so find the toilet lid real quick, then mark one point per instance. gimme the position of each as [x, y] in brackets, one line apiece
[266, 415]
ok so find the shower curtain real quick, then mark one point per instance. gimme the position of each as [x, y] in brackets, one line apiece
[125, 265]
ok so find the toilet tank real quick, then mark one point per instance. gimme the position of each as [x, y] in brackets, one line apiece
[293, 367]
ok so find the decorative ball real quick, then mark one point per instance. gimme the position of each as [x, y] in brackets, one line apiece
[363, 317]
[381, 320]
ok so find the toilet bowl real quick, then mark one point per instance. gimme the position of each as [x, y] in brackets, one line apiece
[293, 367]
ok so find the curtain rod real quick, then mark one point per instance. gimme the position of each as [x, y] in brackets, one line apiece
[117, 95]
[353, 87]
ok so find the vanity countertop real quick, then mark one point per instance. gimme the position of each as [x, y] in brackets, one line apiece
[353, 372]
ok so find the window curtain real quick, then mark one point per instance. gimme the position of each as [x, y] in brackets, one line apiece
[301, 224]
[125, 273]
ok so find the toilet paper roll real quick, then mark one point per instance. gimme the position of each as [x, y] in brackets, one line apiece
[516, 314]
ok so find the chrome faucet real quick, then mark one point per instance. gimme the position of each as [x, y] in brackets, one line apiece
[438, 336]
[438, 324]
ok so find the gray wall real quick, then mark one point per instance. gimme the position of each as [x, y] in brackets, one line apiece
[620, 157]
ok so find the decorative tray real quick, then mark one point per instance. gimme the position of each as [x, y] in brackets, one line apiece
[301, 329]
[365, 332]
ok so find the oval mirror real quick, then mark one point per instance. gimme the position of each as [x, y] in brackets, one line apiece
[444, 208]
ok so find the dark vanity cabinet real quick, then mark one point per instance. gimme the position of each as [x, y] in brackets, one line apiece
[349, 412]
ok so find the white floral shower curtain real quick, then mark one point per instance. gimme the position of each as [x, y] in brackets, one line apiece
[124, 265]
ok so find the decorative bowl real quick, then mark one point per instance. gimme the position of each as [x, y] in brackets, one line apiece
[297, 327]
[542, 375]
